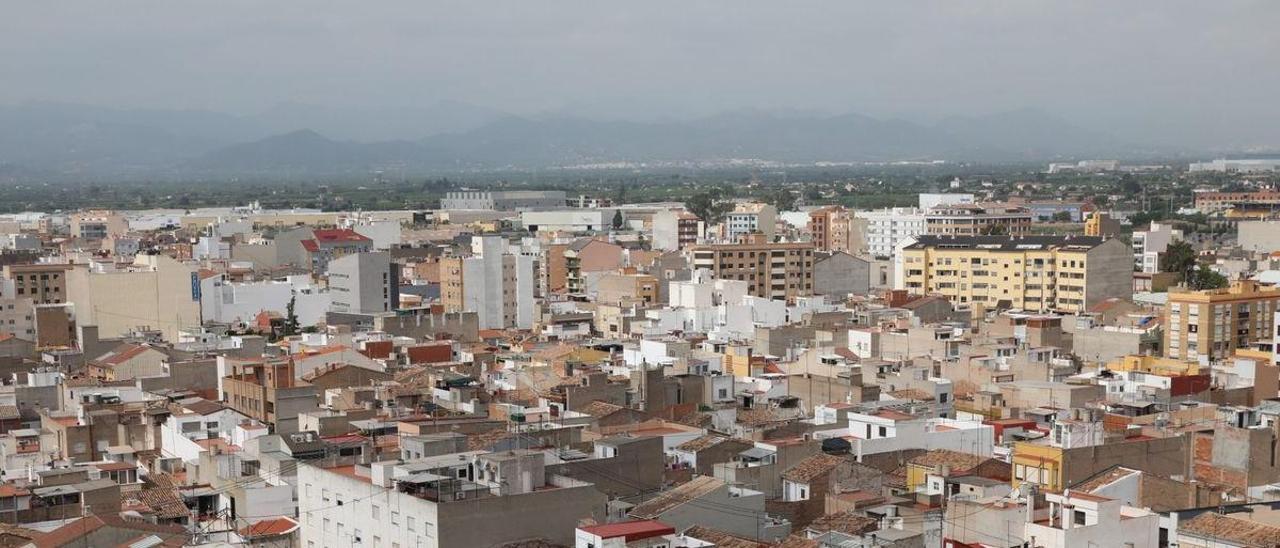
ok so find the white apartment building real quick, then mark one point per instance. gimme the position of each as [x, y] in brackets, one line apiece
[885, 430]
[567, 220]
[1236, 166]
[228, 302]
[1149, 244]
[364, 283]
[929, 201]
[747, 218]
[494, 283]
[504, 200]
[886, 228]
[462, 499]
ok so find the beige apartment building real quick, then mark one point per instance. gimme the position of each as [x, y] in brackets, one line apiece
[627, 287]
[1033, 273]
[776, 270]
[42, 283]
[155, 292]
[97, 224]
[978, 219]
[1212, 324]
[498, 286]
[830, 229]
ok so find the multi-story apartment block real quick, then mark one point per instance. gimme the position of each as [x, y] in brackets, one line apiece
[1101, 224]
[883, 230]
[778, 270]
[509, 200]
[929, 201]
[97, 224]
[266, 391]
[1208, 202]
[440, 500]
[494, 283]
[750, 217]
[42, 283]
[829, 228]
[364, 283]
[675, 229]
[329, 244]
[1149, 244]
[978, 220]
[1212, 324]
[1034, 273]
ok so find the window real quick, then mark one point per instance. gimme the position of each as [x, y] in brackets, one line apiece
[409, 523]
[376, 512]
[395, 517]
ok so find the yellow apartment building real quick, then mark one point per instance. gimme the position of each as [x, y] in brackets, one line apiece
[1214, 323]
[1032, 273]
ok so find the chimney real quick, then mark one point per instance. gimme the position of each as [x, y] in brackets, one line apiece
[1064, 510]
[1031, 503]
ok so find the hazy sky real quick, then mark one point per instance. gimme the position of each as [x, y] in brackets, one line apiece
[1211, 67]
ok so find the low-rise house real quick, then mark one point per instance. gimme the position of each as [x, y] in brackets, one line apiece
[441, 501]
[128, 361]
[734, 510]
[628, 534]
[704, 453]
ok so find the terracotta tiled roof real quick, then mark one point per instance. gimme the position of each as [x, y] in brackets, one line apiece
[721, 539]
[845, 522]
[165, 502]
[797, 541]
[758, 415]
[911, 394]
[813, 467]
[630, 531]
[700, 443]
[339, 235]
[667, 500]
[269, 528]
[599, 409]
[122, 353]
[695, 419]
[73, 533]
[204, 407]
[954, 460]
[1106, 477]
[485, 440]
[1235, 531]
[11, 490]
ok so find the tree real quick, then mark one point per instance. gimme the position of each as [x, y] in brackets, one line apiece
[707, 206]
[291, 318]
[784, 200]
[1062, 217]
[1129, 185]
[617, 219]
[1179, 257]
[1203, 278]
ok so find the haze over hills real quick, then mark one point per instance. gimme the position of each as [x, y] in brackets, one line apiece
[83, 142]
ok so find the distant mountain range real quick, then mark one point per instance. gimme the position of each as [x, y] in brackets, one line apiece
[81, 142]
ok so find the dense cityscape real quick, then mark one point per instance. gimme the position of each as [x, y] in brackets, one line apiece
[564, 274]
